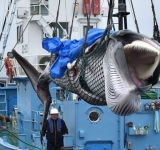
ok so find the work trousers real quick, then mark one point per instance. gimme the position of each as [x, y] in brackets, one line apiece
[53, 146]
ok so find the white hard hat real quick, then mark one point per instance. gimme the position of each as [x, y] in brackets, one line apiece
[53, 111]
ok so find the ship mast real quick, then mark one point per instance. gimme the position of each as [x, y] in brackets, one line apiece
[122, 14]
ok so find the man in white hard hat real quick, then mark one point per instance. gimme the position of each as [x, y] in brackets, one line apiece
[55, 128]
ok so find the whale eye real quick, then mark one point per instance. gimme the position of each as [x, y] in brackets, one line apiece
[94, 116]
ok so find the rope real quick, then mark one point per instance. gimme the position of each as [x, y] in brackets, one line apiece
[134, 16]
[111, 17]
[54, 18]
[72, 19]
[27, 24]
[109, 13]
[1, 68]
[155, 29]
[107, 30]
[85, 39]
[55, 27]
[88, 25]
[12, 133]
[54, 56]
[66, 14]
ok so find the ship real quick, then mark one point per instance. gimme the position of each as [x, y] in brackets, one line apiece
[90, 127]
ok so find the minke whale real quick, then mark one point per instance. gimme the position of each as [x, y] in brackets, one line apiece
[129, 65]
[39, 84]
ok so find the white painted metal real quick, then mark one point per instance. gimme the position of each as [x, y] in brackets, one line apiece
[45, 26]
[31, 46]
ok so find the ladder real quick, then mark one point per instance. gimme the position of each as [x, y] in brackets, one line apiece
[8, 31]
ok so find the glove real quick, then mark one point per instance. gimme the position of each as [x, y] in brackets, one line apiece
[3, 128]
[41, 138]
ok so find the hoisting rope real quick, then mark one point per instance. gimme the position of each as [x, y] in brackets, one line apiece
[155, 29]
[110, 12]
[66, 15]
[85, 38]
[1, 67]
[111, 17]
[54, 56]
[134, 16]
[72, 19]
[107, 30]
[88, 24]
[12, 133]
[27, 24]
[55, 27]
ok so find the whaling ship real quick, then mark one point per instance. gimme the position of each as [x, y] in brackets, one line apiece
[90, 127]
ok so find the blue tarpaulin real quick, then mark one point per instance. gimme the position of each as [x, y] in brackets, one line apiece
[68, 50]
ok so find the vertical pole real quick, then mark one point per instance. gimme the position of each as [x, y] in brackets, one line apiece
[122, 14]
[120, 17]
[125, 17]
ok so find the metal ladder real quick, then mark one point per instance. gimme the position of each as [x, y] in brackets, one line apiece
[8, 31]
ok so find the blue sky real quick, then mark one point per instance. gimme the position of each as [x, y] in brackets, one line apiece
[142, 9]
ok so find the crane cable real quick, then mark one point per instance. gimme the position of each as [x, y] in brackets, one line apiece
[12, 134]
[134, 16]
[55, 26]
[72, 19]
[111, 17]
[110, 12]
[54, 56]
[27, 24]
[155, 29]
[66, 15]
[24, 29]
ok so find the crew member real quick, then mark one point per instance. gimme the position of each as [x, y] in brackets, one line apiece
[55, 129]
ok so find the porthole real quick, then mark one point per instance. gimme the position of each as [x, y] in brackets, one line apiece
[94, 116]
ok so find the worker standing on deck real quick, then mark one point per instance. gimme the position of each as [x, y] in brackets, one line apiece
[55, 129]
[3, 120]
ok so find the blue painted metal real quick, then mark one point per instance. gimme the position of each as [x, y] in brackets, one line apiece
[8, 98]
[21, 144]
[109, 132]
[68, 140]
[83, 130]
[4, 145]
[142, 119]
[98, 145]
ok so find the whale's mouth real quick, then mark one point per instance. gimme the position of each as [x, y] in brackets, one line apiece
[143, 58]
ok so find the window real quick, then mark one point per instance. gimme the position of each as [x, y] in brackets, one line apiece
[39, 10]
[34, 10]
[60, 32]
[60, 94]
[19, 33]
[44, 10]
[94, 116]
[85, 29]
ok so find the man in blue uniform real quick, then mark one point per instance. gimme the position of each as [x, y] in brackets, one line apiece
[55, 129]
